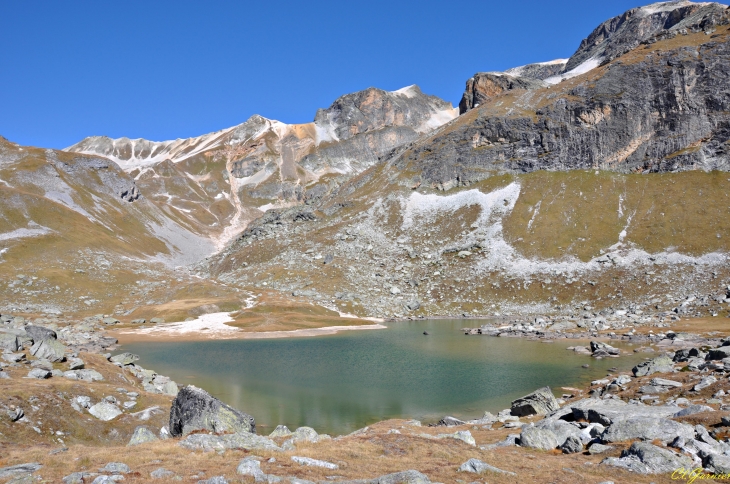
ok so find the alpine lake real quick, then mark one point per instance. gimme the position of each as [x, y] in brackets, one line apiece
[339, 383]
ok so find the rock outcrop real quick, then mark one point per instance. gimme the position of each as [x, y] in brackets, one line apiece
[195, 409]
[484, 86]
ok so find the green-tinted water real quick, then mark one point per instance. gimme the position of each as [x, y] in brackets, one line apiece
[342, 382]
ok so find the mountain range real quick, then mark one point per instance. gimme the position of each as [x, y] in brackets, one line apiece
[597, 181]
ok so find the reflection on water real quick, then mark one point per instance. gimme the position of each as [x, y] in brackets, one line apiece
[343, 382]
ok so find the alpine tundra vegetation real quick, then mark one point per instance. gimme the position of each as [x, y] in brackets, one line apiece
[581, 201]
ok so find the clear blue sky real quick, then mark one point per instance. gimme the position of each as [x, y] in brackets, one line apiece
[174, 69]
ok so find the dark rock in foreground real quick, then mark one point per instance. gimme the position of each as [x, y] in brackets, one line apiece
[195, 409]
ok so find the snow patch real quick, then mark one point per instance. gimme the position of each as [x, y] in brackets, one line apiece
[517, 71]
[35, 230]
[408, 91]
[213, 324]
[584, 67]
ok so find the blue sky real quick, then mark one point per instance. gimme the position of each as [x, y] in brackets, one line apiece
[164, 70]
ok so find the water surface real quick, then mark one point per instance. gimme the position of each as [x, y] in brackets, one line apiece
[342, 382]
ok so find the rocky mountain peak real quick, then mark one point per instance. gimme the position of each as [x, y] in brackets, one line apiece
[373, 108]
[624, 32]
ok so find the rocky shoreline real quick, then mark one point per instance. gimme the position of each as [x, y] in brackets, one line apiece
[671, 412]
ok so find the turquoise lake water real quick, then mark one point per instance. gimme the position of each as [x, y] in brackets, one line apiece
[343, 382]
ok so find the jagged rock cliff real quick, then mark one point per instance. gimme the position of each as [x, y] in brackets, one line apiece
[611, 39]
[663, 106]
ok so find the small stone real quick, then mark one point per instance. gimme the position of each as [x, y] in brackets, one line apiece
[116, 468]
[105, 411]
[161, 473]
[306, 461]
[142, 435]
[477, 467]
[280, 431]
[124, 359]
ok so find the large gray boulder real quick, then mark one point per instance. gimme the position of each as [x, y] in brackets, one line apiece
[195, 409]
[250, 466]
[538, 438]
[660, 364]
[49, 349]
[644, 458]
[539, 402]
[39, 333]
[647, 428]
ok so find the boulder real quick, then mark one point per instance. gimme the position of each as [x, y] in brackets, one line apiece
[162, 473]
[538, 438]
[305, 434]
[599, 449]
[606, 412]
[76, 364]
[644, 458]
[39, 333]
[705, 382]
[307, 461]
[692, 409]
[105, 411]
[477, 467]
[450, 422]
[250, 466]
[9, 342]
[20, 469]
[240, 441]
[463, 435]
[718, 353]
[660, 364]
[85, 375]
[404, 477]
[647, 428]
[572, 445]
[539, 402]
[142, 435]
[195, 409]
[547, 432]
[39, 373]
[124, 359]
[717, 463]
[49, 349]
[116, 468]
[280, 431]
